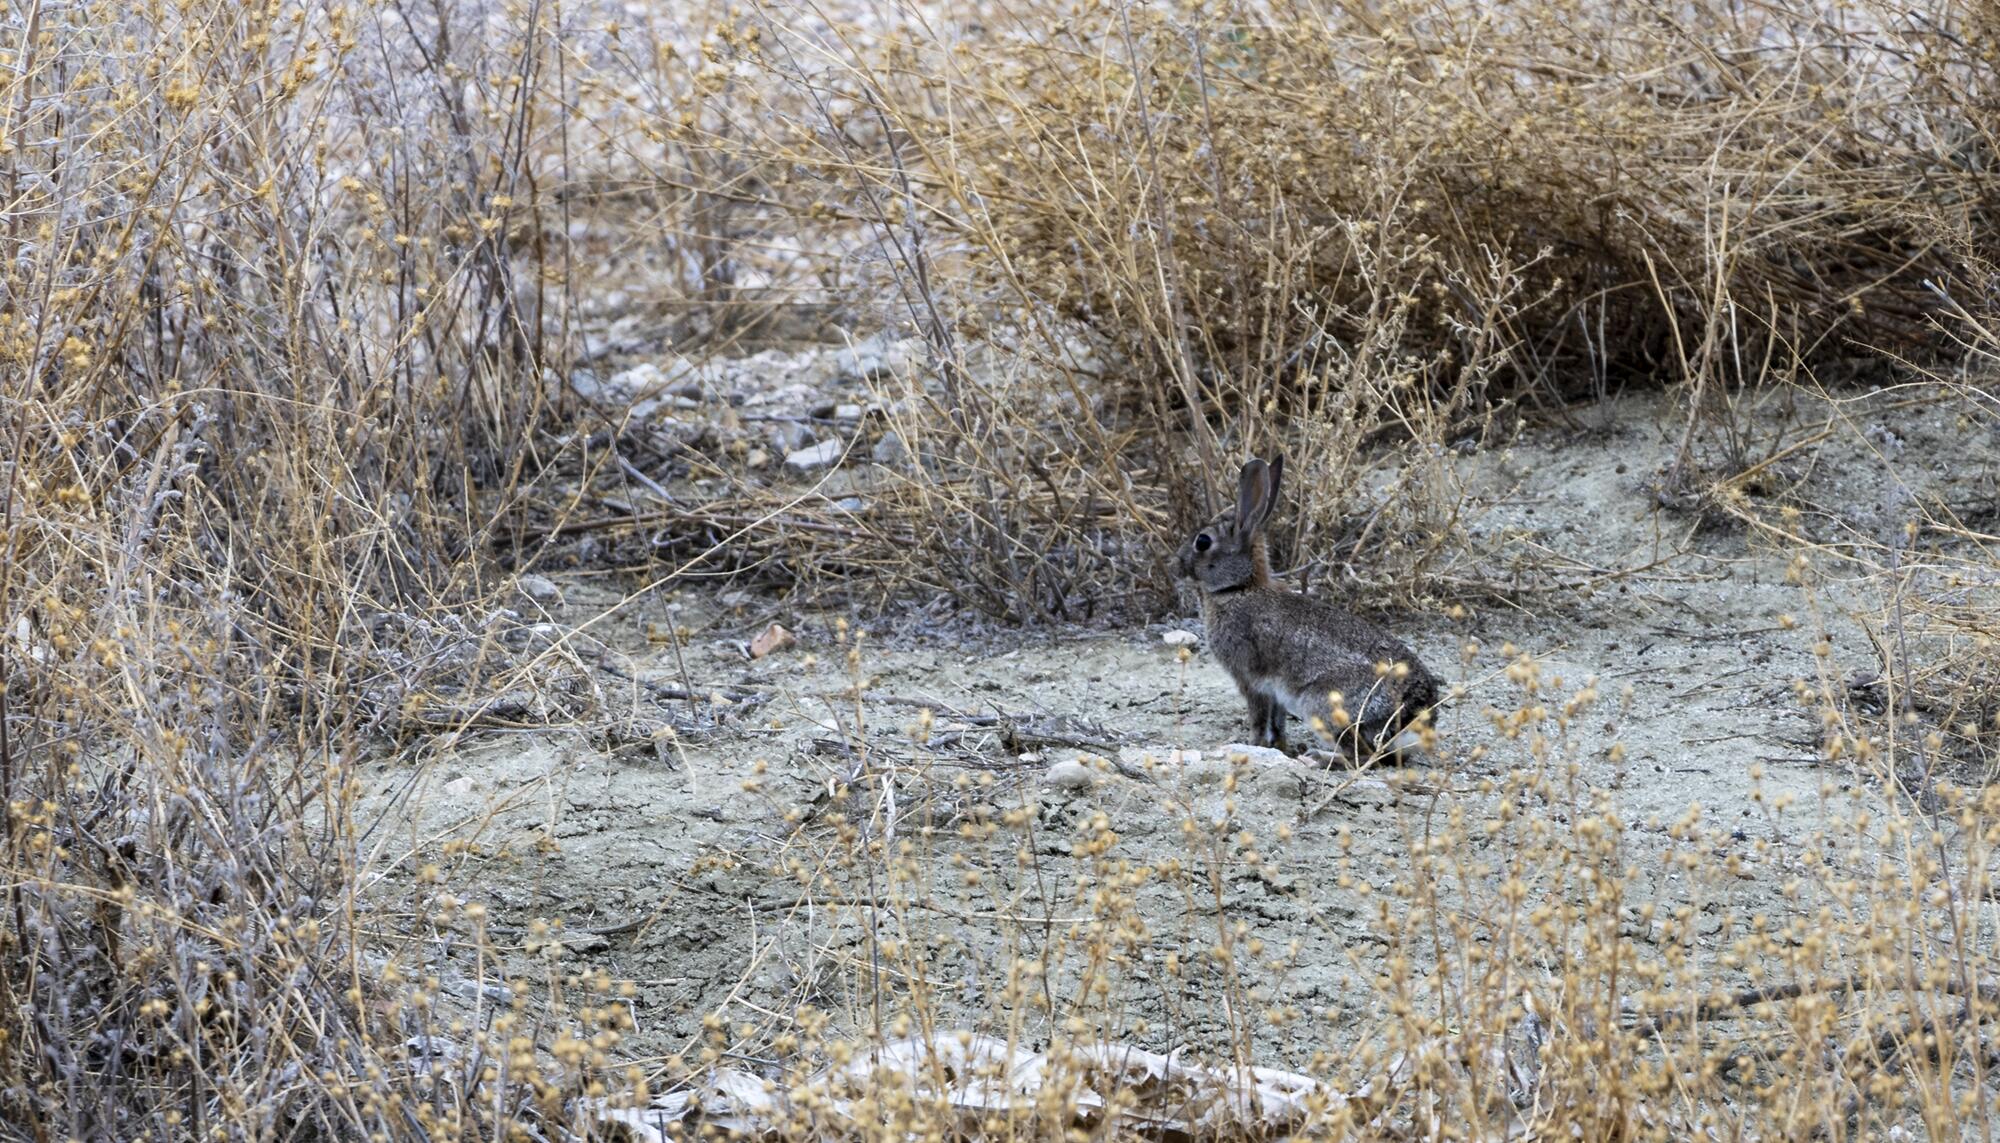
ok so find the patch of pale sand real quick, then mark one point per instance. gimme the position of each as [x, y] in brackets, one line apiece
[661, 863]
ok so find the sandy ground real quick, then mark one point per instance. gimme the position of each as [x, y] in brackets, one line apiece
[708, 863]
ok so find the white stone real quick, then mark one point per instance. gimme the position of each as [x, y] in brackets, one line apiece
[643, 380]
[791, 436]
[539, 588]
[791, 396]
[1071, 775]
[816, 456]
[24, 634]
[873, 356]
[1171, 760]
[1179, 638]
[1254, 755]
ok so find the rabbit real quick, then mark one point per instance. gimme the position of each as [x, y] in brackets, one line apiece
[1288, 653]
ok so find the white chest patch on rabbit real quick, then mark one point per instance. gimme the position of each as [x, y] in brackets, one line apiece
[1301, 704]
[1298, 704]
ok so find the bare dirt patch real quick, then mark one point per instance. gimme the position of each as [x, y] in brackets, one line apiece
[705, 848]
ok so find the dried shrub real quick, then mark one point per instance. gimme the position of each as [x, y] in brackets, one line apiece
[273, 342]
[1288, 228]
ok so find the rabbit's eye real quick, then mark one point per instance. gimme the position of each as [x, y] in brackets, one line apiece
[1203, 542]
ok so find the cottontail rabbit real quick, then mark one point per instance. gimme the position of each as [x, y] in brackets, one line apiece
[1290, 654]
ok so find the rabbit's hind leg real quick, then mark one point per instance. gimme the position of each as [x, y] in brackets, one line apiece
[1273, 732]
[1267, 719]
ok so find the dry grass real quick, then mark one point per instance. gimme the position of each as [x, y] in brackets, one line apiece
[1319, 232]
[291, 300]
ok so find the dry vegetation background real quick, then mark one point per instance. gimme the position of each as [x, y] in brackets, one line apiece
[292, 302]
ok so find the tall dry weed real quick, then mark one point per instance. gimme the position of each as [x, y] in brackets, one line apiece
[282, 288]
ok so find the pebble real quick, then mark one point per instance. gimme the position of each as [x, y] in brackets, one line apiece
[1255, 755]
[817, 456]
[873, 356]
[539, 588]
[771, 640]
[475, 989]
[644, 380]
[890, 450]
[1144, 758]
[1071, 775]
[791, 436]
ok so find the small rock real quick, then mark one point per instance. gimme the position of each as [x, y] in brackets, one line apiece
[847, 412]
[871, 357]
[1071, 775]
[539, 588]
[818, 456]
[771, 640]
[890, 450]
[24, 634]
[850, 504]
[1140, 759]
[791, 436]
[758, 458]
[1179, 638]
[1255, 755]
[587, 384]
[645, 380]
[475, 989]
[790, 396]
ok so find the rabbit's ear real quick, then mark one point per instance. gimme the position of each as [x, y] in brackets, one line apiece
[1277, 476]
[1253, 496]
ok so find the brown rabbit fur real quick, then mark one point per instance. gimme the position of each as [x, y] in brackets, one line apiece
[1289, 653]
